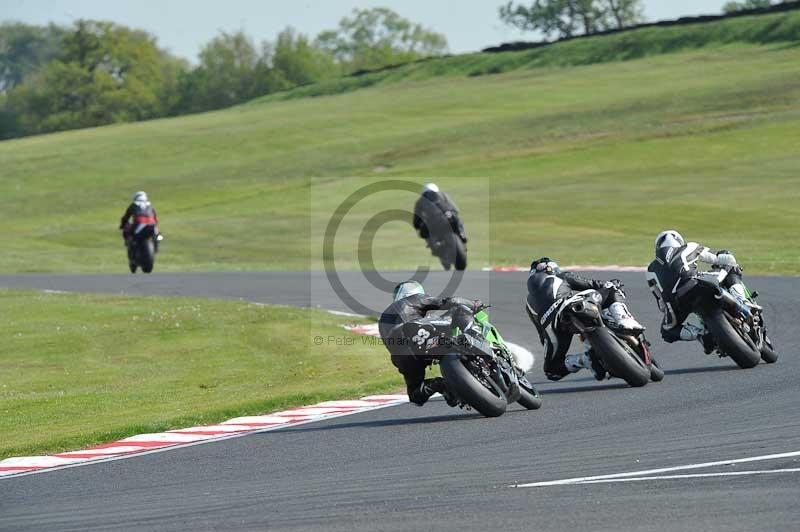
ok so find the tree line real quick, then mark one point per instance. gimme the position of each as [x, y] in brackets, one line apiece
[570, 18]
[54, 78]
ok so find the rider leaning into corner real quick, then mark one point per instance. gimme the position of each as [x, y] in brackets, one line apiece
[140, 213]
[433, 205]
[674, 266]
[548, 288]
[410, 304]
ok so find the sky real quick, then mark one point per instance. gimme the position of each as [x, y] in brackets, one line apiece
[183, 26]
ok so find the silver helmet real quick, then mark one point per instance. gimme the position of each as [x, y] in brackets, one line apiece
[669, 238]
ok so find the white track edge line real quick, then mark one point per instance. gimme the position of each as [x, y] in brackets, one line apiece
[578, 480]
[691, 476]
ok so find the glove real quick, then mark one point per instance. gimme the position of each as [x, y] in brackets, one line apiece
[613, 284]
[478, 305]
[726, 259]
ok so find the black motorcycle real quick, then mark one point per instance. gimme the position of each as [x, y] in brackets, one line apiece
[447, 241]
[142, 248]
[475, 362]
[735, 321]
[622, 353]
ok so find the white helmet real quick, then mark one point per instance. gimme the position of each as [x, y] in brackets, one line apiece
[140, 196]
[407, 289]
[430, 187]
[669, 238]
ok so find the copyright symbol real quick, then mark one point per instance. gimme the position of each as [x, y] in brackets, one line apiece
[365, 245]
[318, 340]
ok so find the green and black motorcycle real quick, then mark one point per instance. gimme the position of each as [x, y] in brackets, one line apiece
[479, 368]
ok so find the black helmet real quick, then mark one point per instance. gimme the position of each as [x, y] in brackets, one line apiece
[545, 264]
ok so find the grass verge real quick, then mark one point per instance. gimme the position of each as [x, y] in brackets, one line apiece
[84, 369]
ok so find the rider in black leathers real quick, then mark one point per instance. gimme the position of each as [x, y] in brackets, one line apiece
[548, 288]
[410, 304]
[434, 211]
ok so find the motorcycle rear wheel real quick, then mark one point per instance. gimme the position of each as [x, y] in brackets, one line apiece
[469, 389]
[732, 342]
[618, 358]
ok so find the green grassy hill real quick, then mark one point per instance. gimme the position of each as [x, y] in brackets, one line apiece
[584, 162]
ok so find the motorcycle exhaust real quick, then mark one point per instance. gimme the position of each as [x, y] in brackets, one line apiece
[733, 304]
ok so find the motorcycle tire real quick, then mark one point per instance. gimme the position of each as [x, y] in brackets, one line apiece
[768, 355]
[461, 254]
[656, 373]
[731, 342]
[469, 389]
[528, 396]
[618, 358]
[146, 255]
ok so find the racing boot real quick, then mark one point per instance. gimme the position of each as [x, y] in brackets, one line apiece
[575, 363]
[439, 386]
[597, 368]
[691, 332]
[429, 387]
[617, 315]
[420, 395]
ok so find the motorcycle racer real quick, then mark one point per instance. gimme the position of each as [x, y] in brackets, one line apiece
[434, 208]
[669, 277]
[139, 214]
[410, 304]
[548, 288]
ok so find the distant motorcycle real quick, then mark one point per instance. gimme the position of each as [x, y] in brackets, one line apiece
[735, 322]
[143, 244]
[447, 244]
[475, 362]
[624, 354]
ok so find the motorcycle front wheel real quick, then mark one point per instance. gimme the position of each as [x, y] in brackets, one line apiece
[146, 255]
[528, 396]
[461, 254]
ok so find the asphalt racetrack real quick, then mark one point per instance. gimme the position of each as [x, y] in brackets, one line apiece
[436, 468]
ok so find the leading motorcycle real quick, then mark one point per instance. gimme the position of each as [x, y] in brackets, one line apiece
[142, 247]
[731, 314]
